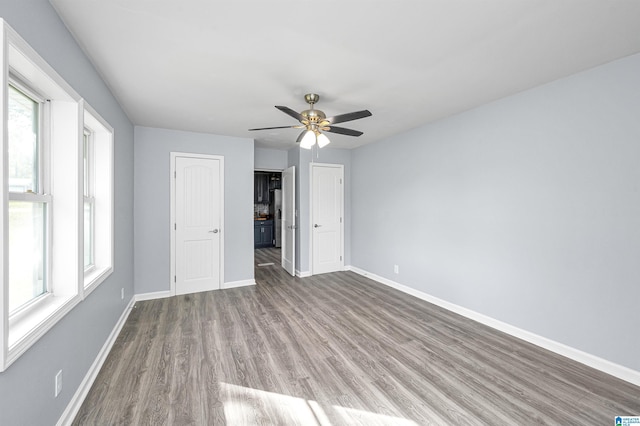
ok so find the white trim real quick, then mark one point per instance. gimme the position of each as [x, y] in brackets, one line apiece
[172, 198]
[103, 171]
[24, 59]
[4, 197]
[32, 326]
[79, 396]
[236, 284]
[95, 277]
[616, 370]
[270, 170]
[303, 274]
[153, 295]
[286, 209]
[60, 117]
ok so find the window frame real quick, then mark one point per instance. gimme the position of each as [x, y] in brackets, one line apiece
[88, 141]
[40, 196]
[103, 195]
[62, 120]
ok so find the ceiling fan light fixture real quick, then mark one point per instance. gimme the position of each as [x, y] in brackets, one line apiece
[323, 140]
[308, 140]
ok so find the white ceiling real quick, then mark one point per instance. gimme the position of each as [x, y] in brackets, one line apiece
[221, 66]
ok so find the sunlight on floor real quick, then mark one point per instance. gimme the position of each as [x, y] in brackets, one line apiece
[250, 406]
[349, 415]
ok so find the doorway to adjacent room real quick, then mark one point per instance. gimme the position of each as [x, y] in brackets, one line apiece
[274, 218]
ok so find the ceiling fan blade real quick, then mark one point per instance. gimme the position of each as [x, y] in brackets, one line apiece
[278, 127]
[290, 112]
[343, 131]
[348, 116]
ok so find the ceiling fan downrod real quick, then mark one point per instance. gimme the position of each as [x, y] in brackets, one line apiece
[313, 117]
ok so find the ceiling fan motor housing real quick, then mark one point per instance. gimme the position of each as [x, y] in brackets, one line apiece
[313, 115]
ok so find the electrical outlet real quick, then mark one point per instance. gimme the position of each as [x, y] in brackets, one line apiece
[58, 383]
[396, 269]
[122, 293]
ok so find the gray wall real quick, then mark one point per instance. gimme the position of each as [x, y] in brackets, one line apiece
[26, 387]
[270, 159]
[526, 210]
[152, 203]
[302, 159]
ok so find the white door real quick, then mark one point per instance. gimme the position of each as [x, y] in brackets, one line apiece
[198, 208]
[289, 220]
[326, 217]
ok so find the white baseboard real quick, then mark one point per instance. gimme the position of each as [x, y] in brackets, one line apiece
[619, 371]
[234, 284]
[303, 274]
[74, 405]
[167, 293]
[153, 295]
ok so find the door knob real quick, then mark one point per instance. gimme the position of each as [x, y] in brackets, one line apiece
[215, 231]
[317, 226]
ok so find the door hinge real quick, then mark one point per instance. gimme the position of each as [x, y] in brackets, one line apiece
[175, 227]
[340, 257]
[175, 279]
[175, 175]
[340, 181]
[340, 220]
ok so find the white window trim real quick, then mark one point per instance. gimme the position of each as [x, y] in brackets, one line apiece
[69, 284]
[88, 195]
[103, 195]
[42, 196]
[27, 325]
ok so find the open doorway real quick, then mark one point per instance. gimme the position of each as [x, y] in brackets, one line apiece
[267, 218]
[274, 219]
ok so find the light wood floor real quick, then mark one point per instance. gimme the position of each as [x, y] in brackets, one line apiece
[335, 349]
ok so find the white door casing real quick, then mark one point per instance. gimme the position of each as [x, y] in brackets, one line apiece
[327, 212]
[289, 220]
[197, 222]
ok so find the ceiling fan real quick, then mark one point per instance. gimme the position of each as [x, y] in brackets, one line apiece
[315, 122]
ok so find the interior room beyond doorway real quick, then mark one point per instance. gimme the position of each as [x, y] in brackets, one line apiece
[267, 209]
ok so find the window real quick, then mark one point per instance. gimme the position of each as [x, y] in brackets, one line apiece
[28, 201]
[89, 201]
[56, 212]
[98, 199]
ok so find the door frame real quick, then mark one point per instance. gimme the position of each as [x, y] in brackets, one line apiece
[172, 207]
[293, 226]
[311, 167]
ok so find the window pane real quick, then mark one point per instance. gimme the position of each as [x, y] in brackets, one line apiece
[26, 252]
[23, 142]
[86, 161]
[88, 234]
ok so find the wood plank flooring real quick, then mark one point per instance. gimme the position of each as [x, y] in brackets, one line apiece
[335, 349]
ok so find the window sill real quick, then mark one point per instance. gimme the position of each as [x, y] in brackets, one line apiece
[28, 327]
[94, 277]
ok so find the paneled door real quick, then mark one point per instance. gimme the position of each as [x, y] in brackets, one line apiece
[198, 219]
[289, 220]
[327, 210]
